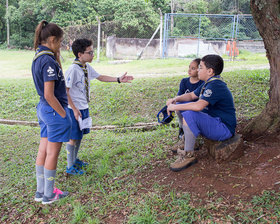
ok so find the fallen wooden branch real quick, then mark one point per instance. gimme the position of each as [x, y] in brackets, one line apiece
[137, 126]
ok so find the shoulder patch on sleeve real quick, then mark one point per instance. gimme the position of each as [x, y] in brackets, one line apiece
[50, 71]
[207, 93]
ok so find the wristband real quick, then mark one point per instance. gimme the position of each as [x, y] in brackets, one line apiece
[118, 79]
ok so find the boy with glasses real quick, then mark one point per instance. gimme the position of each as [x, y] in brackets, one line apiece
[212, 115]
[78, 77]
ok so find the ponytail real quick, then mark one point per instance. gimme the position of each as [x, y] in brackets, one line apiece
[43, 31]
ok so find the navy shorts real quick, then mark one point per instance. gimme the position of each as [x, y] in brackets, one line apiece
[203, 124]
[53, 126]
[76, 133]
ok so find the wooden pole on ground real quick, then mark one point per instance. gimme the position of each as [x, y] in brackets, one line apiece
[140, 55]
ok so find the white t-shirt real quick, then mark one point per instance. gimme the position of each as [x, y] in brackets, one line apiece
[75, 81]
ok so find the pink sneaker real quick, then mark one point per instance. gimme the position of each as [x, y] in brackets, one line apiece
[57, 194]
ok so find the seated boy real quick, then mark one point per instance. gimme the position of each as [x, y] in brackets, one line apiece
[212, 116]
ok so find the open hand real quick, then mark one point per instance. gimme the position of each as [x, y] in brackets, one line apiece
[126, 78]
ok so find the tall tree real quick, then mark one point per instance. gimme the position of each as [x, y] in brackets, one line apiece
[267, 18]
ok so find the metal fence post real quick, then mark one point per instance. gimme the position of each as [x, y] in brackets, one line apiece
[160, 34]
[197, 53]
[165, 32]
[236, 27]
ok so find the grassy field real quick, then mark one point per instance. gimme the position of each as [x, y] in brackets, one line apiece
[17, 64]
[111, 190]
[140, 101]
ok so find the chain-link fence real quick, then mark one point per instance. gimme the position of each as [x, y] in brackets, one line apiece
[246, 28]
[184, 35]
[205, 28]
[108, 29]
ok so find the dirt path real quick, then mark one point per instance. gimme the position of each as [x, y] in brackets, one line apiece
[6, 73]
[250, 175]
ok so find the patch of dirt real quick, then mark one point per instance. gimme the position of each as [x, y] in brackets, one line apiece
[250, 175]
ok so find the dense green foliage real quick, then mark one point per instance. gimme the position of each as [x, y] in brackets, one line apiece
[133, 18]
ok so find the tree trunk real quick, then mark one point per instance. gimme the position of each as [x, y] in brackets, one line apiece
[267, 18]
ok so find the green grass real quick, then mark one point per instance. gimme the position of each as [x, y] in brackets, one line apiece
[110, 186]
[110, 189]
[17, 63]
[140, 101]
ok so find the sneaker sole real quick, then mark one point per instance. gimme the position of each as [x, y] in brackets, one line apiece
[184, 167]
[48, 202]
[75, 174]
[38, 199]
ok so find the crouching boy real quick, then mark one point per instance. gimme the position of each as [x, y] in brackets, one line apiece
[212, 116]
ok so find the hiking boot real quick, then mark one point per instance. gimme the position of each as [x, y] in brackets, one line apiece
[73, 170]
[79, 163]
[57, 194]
[179, 145]
[38, 196]
[181, 133]
[184, 160]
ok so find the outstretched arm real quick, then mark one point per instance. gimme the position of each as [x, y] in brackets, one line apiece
[123, 78]
[187, 97]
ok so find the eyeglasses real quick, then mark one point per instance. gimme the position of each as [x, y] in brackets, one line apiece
[89, 52]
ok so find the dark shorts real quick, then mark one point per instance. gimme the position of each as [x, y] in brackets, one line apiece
[76, 133]
[53, 126]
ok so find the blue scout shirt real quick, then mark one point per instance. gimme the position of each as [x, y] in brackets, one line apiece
[187, 87]
[220, 100]
[46, 68]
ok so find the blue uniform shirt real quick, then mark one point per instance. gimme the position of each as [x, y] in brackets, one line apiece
[45, 68]
[187, 87]
[220, 100]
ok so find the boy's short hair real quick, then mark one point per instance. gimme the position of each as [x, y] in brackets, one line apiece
[215, 62]
[80, 45]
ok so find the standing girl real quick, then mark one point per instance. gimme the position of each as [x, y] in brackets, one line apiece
[53, 114]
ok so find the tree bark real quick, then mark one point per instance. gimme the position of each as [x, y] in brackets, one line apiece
[266, 15]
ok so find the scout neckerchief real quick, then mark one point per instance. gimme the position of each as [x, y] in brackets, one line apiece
[40, 53]
[77, 62]
[217, 77]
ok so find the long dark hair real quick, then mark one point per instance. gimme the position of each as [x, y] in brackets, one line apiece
[43, 31]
